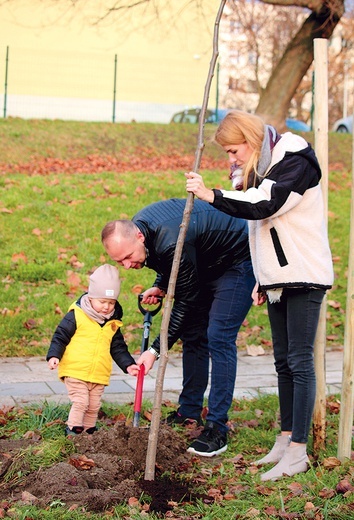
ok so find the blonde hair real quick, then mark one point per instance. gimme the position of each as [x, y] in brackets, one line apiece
[240, 127]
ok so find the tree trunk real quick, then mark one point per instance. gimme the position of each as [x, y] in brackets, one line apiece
[297, 58]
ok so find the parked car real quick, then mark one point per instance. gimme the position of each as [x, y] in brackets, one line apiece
[191, 115]
[295, 124]
[344, 125]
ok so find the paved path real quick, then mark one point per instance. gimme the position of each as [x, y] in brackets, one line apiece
[29, 380]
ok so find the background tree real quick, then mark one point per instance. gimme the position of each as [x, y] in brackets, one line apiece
[253, 40]
[298, 56]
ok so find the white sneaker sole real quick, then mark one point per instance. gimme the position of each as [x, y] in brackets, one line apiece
[207, 454]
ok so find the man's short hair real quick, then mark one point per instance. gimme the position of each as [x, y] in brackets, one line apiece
[121, 228]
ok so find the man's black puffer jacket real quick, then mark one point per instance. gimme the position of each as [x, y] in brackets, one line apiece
[214, 242]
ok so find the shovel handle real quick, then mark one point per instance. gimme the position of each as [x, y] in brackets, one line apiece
[146, 311]
[138, 396]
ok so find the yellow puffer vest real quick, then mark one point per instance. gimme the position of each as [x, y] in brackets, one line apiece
[87, 356]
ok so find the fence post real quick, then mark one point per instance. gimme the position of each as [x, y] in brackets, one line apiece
[114, 89]
[6, 75]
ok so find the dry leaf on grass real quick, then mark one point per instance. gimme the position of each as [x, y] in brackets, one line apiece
[255, 350]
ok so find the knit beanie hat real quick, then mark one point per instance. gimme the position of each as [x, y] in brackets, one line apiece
[104, 283]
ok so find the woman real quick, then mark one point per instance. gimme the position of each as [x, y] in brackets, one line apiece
[277, 188]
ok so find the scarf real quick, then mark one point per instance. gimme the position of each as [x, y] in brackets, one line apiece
[270, 139]
[86, 306]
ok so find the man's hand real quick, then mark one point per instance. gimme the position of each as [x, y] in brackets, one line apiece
[195, 184]
[258, 297]
[147, 359]
[150, 296]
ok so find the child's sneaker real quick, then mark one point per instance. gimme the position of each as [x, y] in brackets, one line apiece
[75, 430]
[210, 442]
[91, 430]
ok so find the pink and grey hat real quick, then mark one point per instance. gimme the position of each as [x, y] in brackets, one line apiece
[104, 283]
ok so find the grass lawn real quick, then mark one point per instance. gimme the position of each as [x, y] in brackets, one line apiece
[56, 195]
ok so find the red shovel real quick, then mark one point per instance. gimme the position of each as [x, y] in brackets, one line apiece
[144, 345]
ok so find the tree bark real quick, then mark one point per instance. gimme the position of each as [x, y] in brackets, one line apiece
[297, 58]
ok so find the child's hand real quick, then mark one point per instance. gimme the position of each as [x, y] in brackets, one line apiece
[133, 370]
[53, 363]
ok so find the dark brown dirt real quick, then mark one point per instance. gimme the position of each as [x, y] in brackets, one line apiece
[107, 468]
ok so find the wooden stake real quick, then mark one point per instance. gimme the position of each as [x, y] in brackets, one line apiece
[156, 411]
[321, 149]
[347, 396]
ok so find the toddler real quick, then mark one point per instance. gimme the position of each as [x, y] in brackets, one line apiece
[83, 345]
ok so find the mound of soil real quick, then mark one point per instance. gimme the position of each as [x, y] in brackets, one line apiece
[106, 469]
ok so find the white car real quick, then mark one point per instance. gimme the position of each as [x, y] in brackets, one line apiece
[344, 125]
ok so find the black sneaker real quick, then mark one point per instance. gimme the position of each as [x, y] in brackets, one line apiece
[91, 430]
[210, 442]
[76, 430]
[176, 418]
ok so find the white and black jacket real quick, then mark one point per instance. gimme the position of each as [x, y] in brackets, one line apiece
[287, 230]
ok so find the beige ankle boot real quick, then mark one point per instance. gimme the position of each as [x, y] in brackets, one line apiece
[294, 460]
[276, 453]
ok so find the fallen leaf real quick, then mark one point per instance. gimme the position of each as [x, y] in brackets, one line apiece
[57, 310]
[271, 511]
[331, 462]
[255, 350]
[81, 462]
[333, 304]
[295, 488]
[30, 324]
[216, 494]
[344, 486]
[147, 415]
[137, 289]
[309, 506]
[252, 512]
[333, 407]
[27, 498]
[326, 493]
[32, 435]
[73, 279]
[19, 256]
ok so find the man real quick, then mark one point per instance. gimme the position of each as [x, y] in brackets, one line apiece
[212, 297]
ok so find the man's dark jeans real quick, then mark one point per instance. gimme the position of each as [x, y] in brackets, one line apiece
[211, 332]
